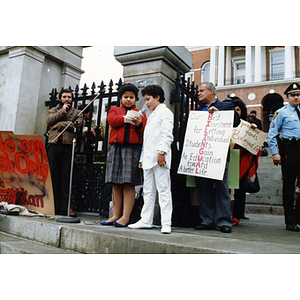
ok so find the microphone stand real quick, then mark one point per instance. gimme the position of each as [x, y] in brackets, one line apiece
[68, 218]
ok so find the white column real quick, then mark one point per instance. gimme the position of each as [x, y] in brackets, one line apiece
[288, 62]
[212, 77]
[23, 87]
[257, 77]
[248, 64]
[228, 66]
[221, 65]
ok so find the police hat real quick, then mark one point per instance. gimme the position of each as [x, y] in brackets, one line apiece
[293, 89]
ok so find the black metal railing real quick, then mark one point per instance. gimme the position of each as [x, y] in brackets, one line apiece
[184, 98]
[90, 193]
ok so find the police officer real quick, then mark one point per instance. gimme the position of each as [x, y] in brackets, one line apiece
[284, 135]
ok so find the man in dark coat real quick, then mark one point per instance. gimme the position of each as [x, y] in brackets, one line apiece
[214, 198]
[253, 119]
[60, 150]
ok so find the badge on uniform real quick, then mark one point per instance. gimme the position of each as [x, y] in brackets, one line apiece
[275, 115]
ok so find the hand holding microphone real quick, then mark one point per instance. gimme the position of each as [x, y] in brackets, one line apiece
[66, 106]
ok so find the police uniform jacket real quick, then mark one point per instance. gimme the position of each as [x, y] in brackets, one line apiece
[285, 121]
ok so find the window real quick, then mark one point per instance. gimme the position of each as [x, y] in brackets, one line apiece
[277, 65]
[240, 73]
[239, 68]
[205, 72]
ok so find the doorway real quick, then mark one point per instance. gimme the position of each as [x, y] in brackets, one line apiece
[271, 103]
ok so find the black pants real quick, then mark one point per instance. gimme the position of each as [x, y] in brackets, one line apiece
[290, 166]
[240, 199]
[60, 163]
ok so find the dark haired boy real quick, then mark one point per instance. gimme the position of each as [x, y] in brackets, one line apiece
[156, 160]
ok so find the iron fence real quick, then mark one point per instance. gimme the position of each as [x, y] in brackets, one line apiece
[89, 192]
[184, 97]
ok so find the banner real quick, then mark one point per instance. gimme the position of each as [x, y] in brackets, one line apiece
[249, 138]
[24, 172]
[206, 144]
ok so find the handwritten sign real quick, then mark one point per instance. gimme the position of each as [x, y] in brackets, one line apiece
[24, 172]
[249, 138]
[206, 144]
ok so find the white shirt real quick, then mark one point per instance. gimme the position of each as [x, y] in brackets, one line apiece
[157, 137]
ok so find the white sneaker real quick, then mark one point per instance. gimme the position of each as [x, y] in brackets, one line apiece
[140, 225]
[166, 229]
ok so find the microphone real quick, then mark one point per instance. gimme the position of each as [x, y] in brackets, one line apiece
[144, 109]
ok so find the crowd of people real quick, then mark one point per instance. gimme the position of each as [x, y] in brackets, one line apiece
[140, 154]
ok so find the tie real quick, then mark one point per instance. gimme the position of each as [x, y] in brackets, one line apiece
[298, 112]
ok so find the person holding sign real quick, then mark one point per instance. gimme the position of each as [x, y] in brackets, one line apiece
[126, 138]
[248, 167]
[214, 198]
[156, 160]
[286, 152]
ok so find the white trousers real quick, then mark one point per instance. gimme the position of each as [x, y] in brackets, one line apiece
[157, 179]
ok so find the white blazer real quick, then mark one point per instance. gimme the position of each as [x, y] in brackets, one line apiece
[157, 136]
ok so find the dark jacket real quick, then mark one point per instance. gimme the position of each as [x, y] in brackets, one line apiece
[225, 106]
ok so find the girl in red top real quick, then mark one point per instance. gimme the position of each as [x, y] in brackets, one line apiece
[123, 155]
[248, 167]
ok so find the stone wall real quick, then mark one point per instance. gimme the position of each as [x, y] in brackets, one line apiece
[27, 76]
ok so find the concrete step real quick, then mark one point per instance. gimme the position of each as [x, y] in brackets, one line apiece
[263, 233]
[11, 244]
[270, 180]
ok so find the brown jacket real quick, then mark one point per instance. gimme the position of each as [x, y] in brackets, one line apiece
[62, 118]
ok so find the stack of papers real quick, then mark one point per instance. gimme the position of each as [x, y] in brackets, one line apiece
[130, 115]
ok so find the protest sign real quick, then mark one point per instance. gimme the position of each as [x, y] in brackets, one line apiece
[206, 144]
[249, 138]
[24, 172]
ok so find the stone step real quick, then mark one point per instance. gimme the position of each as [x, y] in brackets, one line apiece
[11, 244]
[263, 199]
[262, 233]
[270, 180]
[264, 209]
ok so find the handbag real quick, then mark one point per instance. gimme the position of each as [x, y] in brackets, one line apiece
[252, 186]
[264, 151]
[137, 208]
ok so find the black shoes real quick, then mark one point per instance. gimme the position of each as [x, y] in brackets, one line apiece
[204, 227]
[295, 227]
[224, 229]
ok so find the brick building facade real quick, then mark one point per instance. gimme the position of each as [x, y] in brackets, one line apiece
[258, 75]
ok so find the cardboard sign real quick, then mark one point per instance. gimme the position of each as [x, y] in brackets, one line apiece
[206, 144]
[233, 171]
[24, 172]
[249, 138]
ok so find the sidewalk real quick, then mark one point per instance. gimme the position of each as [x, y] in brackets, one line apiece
[263, 233]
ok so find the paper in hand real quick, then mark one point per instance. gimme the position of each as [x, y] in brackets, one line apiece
[130, 115]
